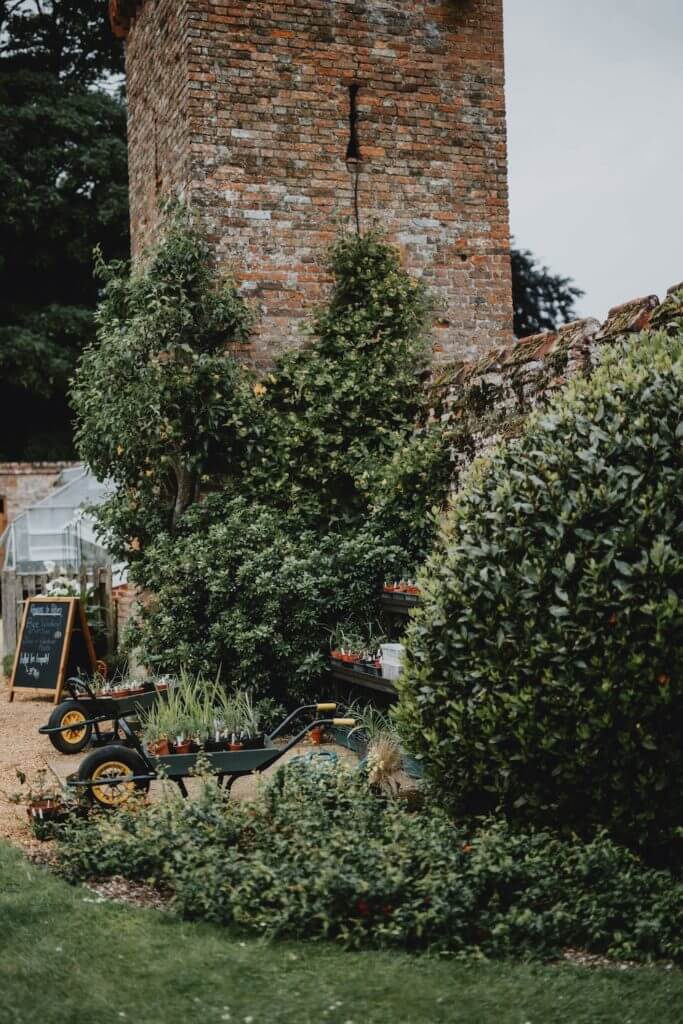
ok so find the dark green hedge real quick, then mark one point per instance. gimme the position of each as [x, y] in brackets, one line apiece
[545, 671]
[255, 594]
[319, 855]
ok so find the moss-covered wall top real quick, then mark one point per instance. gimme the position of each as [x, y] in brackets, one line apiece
[487, 401]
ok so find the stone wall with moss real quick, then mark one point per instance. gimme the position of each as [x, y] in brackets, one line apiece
[487, 401]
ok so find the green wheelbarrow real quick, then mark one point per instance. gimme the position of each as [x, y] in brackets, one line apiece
[80, 718]
[113, 773]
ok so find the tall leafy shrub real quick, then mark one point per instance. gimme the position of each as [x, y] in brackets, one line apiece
[156, 389]
[545, 671]
[254, 593]
[340, 407]
[248, 509]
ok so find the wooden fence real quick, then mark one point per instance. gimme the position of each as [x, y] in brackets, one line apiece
[18, 587]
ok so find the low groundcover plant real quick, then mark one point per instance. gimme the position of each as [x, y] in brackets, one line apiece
[320, 854]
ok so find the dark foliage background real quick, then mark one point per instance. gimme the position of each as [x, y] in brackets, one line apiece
[64, 189]
[541, 300]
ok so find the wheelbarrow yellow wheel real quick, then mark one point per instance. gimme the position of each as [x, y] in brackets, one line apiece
[105, 768]
[77, 736]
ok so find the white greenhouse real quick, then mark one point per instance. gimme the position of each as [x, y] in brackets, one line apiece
[57, 533]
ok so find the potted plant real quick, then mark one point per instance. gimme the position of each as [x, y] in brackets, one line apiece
[156, 730]
[120, 689]
[370, 722]
[345, 645]
[46, 800]
[316, 735]
[253, 737]
[160, 747]
[336, 643]
[352, 648]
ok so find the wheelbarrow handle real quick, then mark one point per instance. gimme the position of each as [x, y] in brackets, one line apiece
[295, 714]
[350, 722]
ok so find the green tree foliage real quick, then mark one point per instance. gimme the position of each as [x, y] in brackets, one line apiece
[68, 39]
[541, 300]
[63, 179]
[346, 402]
[545, 673]
[156, 392]
[255, 593]
[290, 536]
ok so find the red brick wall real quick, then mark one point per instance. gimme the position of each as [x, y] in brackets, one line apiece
[254, 103]
[126, 599]
[158, 131]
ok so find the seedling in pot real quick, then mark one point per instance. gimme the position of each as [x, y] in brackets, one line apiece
[46, 799]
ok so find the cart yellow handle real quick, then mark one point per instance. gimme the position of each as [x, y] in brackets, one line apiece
[344, 721]
[326, 707]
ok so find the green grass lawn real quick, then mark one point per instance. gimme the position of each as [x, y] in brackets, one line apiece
[64, 957]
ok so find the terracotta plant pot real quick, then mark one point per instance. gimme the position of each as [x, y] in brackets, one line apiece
[236, 746]
[160, 747]
[336, 655]
[186, 747]
[316, 735]
[119, 694]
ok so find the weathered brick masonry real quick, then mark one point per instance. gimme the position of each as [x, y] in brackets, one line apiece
[244, 108]
[488, 401]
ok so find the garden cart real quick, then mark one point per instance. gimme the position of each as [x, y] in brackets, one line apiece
[71, 725]
[111, 774]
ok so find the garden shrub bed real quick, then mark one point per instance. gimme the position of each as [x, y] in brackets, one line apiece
[544, 676]
[318, 854]
[259, 512]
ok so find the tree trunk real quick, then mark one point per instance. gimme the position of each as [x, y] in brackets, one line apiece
[186, 491]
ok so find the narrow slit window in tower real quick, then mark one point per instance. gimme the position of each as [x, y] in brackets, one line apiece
[353, 148]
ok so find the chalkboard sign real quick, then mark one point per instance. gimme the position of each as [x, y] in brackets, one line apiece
[54, 643]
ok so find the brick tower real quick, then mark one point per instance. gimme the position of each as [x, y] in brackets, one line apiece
[276, 120]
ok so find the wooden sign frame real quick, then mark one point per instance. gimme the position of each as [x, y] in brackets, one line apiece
[75, 607]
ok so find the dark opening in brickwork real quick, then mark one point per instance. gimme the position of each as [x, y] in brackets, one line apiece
[353, 148]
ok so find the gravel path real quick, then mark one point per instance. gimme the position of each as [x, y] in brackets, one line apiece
[22, 747]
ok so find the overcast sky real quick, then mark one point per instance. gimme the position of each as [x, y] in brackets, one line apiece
[595, 115]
